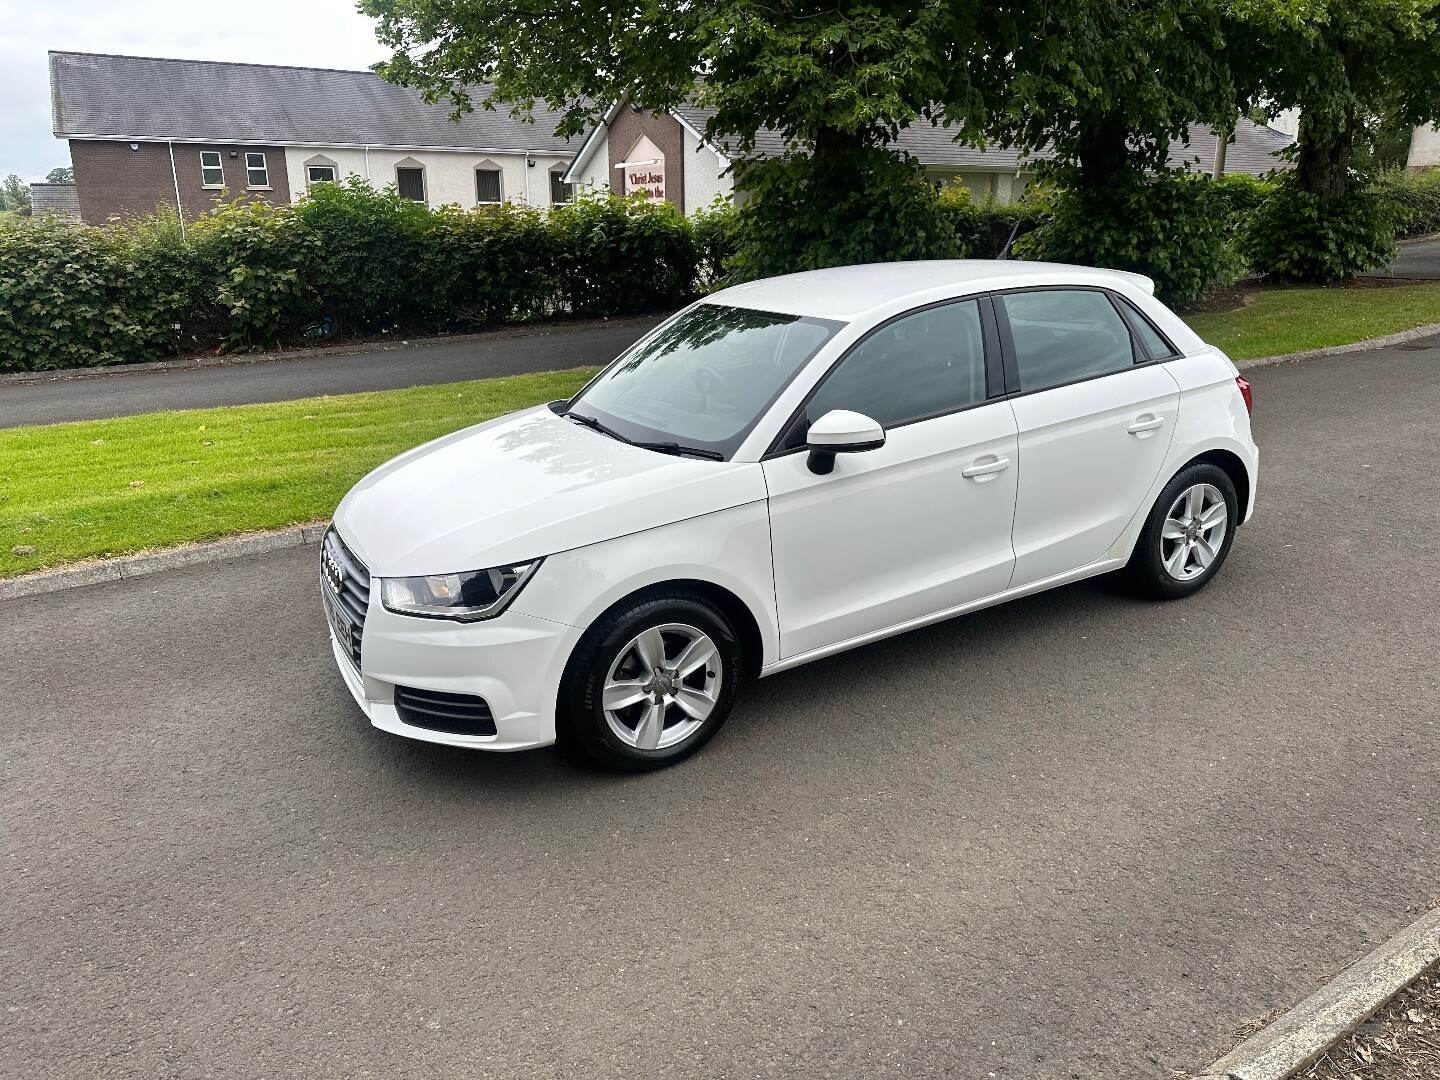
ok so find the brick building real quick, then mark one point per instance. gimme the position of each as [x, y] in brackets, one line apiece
[149, 132]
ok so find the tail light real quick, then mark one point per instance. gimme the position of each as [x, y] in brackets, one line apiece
[1246, 393]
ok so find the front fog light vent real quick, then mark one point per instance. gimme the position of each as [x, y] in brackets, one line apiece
[436, 710]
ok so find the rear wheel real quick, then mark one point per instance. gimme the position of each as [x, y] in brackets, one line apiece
[651, 682]
[1187, 535]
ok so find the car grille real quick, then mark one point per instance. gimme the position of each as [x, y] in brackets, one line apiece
[345, 586]
[456, 714]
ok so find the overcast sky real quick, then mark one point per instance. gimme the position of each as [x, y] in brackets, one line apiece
[317, 33]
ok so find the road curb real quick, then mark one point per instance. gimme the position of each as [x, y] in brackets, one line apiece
[1304, 1033]
[1428, 330]
[170, 559]
[197, 363]
[48, 581]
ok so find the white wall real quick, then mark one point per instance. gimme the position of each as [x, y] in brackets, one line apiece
[1424, 148]
[1288, 122]
[449, 174]
[1003, 184]
[596, 174]
[703, 181]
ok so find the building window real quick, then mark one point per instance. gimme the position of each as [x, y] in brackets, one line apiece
[212, 172]
[318, 174]
[410, 182]
[256, 174]
[487, 186]
[560, 192]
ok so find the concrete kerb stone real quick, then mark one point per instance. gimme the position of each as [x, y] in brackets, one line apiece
[1303, 1034]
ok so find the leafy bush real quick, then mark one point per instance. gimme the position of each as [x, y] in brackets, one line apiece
[1170, 228]
[1294, 236]
[804, 213]
[982, 229]
[1236, 194]
[169, 288]
[497, 264]
[620, 255]
[62, 298]
[264, 259]
[716, 239]
[247, 273]
[368, 246]
[1414, 198]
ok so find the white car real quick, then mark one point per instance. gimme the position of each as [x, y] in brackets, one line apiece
[784, 470]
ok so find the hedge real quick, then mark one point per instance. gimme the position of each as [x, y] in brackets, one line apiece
[349, 260]
[345, 260]
[1415, 198]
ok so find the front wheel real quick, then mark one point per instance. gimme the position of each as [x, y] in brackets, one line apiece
[651, 682]
[1187, 535]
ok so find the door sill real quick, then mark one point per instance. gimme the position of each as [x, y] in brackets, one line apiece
[1104, 566]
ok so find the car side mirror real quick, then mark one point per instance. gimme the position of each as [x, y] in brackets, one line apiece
[840, 431]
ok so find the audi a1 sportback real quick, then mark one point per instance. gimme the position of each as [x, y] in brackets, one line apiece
[784, 470]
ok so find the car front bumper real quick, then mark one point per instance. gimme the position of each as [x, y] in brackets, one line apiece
[513, 662]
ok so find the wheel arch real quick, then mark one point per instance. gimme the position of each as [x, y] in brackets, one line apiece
[1231, 464]
[735, 609]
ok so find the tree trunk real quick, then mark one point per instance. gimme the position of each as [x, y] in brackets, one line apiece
[1322, 161]
[1104, 162]
[835, 144]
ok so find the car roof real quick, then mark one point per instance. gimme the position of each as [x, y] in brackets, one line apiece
[846, 293]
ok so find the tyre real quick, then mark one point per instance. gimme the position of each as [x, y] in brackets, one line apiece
[651, 682]
[1187, 535]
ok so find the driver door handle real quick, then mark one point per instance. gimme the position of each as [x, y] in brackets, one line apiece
[983, 469]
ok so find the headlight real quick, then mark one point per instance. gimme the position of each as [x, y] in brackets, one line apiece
[479, 594]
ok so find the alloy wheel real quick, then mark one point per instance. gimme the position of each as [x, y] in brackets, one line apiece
[662, 686]
[1193, 532]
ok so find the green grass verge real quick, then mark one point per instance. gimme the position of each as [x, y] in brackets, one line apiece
[112, 487]
[1278, 321]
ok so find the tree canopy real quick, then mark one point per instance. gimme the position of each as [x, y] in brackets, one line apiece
[15, 195]
[816, 73]
[1344, 64]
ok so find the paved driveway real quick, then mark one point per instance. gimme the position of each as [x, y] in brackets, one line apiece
[1420, 259]
[1076, 836]
[125, 393]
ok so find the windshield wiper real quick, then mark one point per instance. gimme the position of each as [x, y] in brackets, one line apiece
[596, 425]
[677, 449]
[659, 447]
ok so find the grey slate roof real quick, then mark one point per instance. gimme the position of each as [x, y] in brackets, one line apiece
[55, 200]
[1253, 150]
[202, 100]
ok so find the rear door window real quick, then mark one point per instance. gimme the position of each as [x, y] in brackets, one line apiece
[1064, 335]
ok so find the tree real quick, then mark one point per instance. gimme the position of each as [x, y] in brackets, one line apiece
[60, 175]
[1107, 86]
[1343, 63]
[827, 76]
[16, 194]
[837, 81]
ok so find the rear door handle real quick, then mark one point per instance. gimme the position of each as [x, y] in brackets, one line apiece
[983, 470]
[1147, 422]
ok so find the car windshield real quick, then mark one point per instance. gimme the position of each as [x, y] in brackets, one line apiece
[704, 379]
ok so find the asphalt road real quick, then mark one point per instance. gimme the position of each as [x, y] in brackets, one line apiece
[125, 393]
[1076, 836]
[1420, 259]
